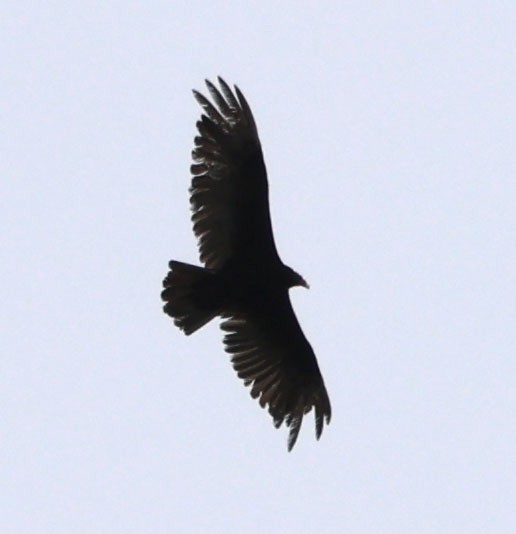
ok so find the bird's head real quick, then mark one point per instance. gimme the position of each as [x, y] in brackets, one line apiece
[294, 279]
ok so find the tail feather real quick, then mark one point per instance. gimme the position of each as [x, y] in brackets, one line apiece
[184, 293]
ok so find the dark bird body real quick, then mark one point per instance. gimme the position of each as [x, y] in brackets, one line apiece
[243, 279]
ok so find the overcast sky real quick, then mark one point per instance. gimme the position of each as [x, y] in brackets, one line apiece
[389, 132]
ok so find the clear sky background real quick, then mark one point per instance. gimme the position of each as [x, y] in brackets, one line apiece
[389, 132]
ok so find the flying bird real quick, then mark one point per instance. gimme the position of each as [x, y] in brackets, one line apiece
[243, 279]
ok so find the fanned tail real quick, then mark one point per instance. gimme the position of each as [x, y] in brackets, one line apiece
[190, 295]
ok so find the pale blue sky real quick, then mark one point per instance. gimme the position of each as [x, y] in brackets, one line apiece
[389, 131]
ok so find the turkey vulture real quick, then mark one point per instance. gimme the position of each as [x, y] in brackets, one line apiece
[243, 279]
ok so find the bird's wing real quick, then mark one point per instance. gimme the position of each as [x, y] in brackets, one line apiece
[271, 354]
[229, 191]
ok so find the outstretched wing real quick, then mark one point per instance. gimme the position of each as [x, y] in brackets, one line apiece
[271, 354]
[229, 191]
